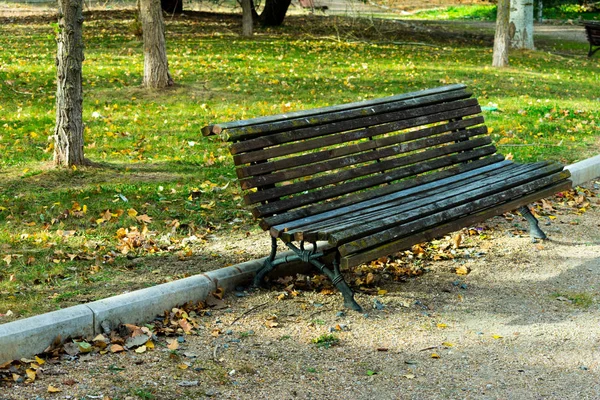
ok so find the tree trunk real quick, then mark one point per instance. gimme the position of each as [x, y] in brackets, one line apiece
[172, 6]
[540, 16]
[501, 39]
[521, 24]
[68, 132]
[274, 12]
[156, 67]
[247, 19]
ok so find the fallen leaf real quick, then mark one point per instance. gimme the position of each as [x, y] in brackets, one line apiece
[497, 336]
[409, 376]
[185, 325]
[435, 355]
[441, 325]
[173, 344]
[132, 212]
[462, 270]
[271, 324]
[31, 374]
[456, 240]
[150, 344]
[141, 349]
[52, 389]
[447, 344]
[39, 361]
[116, 348]
[144, 218]
[183, 366]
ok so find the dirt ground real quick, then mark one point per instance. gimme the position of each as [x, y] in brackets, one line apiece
[522, 324]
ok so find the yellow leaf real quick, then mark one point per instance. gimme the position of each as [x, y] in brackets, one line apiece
[183, 366]
[84, 209]
[382, 292]
[31, 374]
[441, 325]
[132, 213]
[52, 389]
[447, 344]
[141, 349]
[435, 355]
[497, 336]
[462, 270]
[150, 344]
[40, 361]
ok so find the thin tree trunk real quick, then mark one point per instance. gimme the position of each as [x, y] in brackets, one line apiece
[68, 132]
[156, 66]
[247, 19]
[521, 24]
[540, 16]
[501, 39]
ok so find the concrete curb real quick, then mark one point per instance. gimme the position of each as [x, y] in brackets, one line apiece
[30, 336]
[584, 171]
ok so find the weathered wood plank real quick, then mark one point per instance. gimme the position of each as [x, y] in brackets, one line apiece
[218, 128]
[418, 207]
[249, 133]
[386, 165]
[402, 202]
[336, 139]
[361, 154]
[433, 232]
[294, 135]
[418, 167]
[396, 193]
[375, 192]
[491, 199]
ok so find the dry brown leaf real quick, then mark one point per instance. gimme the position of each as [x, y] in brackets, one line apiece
[173, 344]
[462, 270]
[456, 241]
[116, 348]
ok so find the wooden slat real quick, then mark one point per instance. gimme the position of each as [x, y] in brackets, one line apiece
[433, 232]
[295, 135]
[386, 165]
[250, 131]
[357, 185]
[372, 193]
[336, 139]
[218, 128]
[355, 159]
[490, 200]
[410, 209]
[318, 228]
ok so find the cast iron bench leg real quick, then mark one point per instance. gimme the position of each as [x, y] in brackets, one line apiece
[309, 256]
[534, 229]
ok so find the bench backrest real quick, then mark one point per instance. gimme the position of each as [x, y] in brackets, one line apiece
[592, 31]
[298, 164]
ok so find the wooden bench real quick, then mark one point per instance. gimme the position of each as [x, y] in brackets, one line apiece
[375, 177]
[592, 30]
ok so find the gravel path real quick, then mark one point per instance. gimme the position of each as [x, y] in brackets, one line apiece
[523, 324]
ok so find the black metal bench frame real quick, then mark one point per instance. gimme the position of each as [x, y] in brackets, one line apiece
[592, 31]
[375, 177]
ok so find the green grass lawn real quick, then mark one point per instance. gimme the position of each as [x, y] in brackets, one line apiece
[572, 12]
[68, 236]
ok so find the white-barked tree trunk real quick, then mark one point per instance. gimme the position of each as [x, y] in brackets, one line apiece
[521, 24]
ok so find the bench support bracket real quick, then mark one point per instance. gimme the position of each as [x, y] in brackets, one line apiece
[534, 229]
[309, 256]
